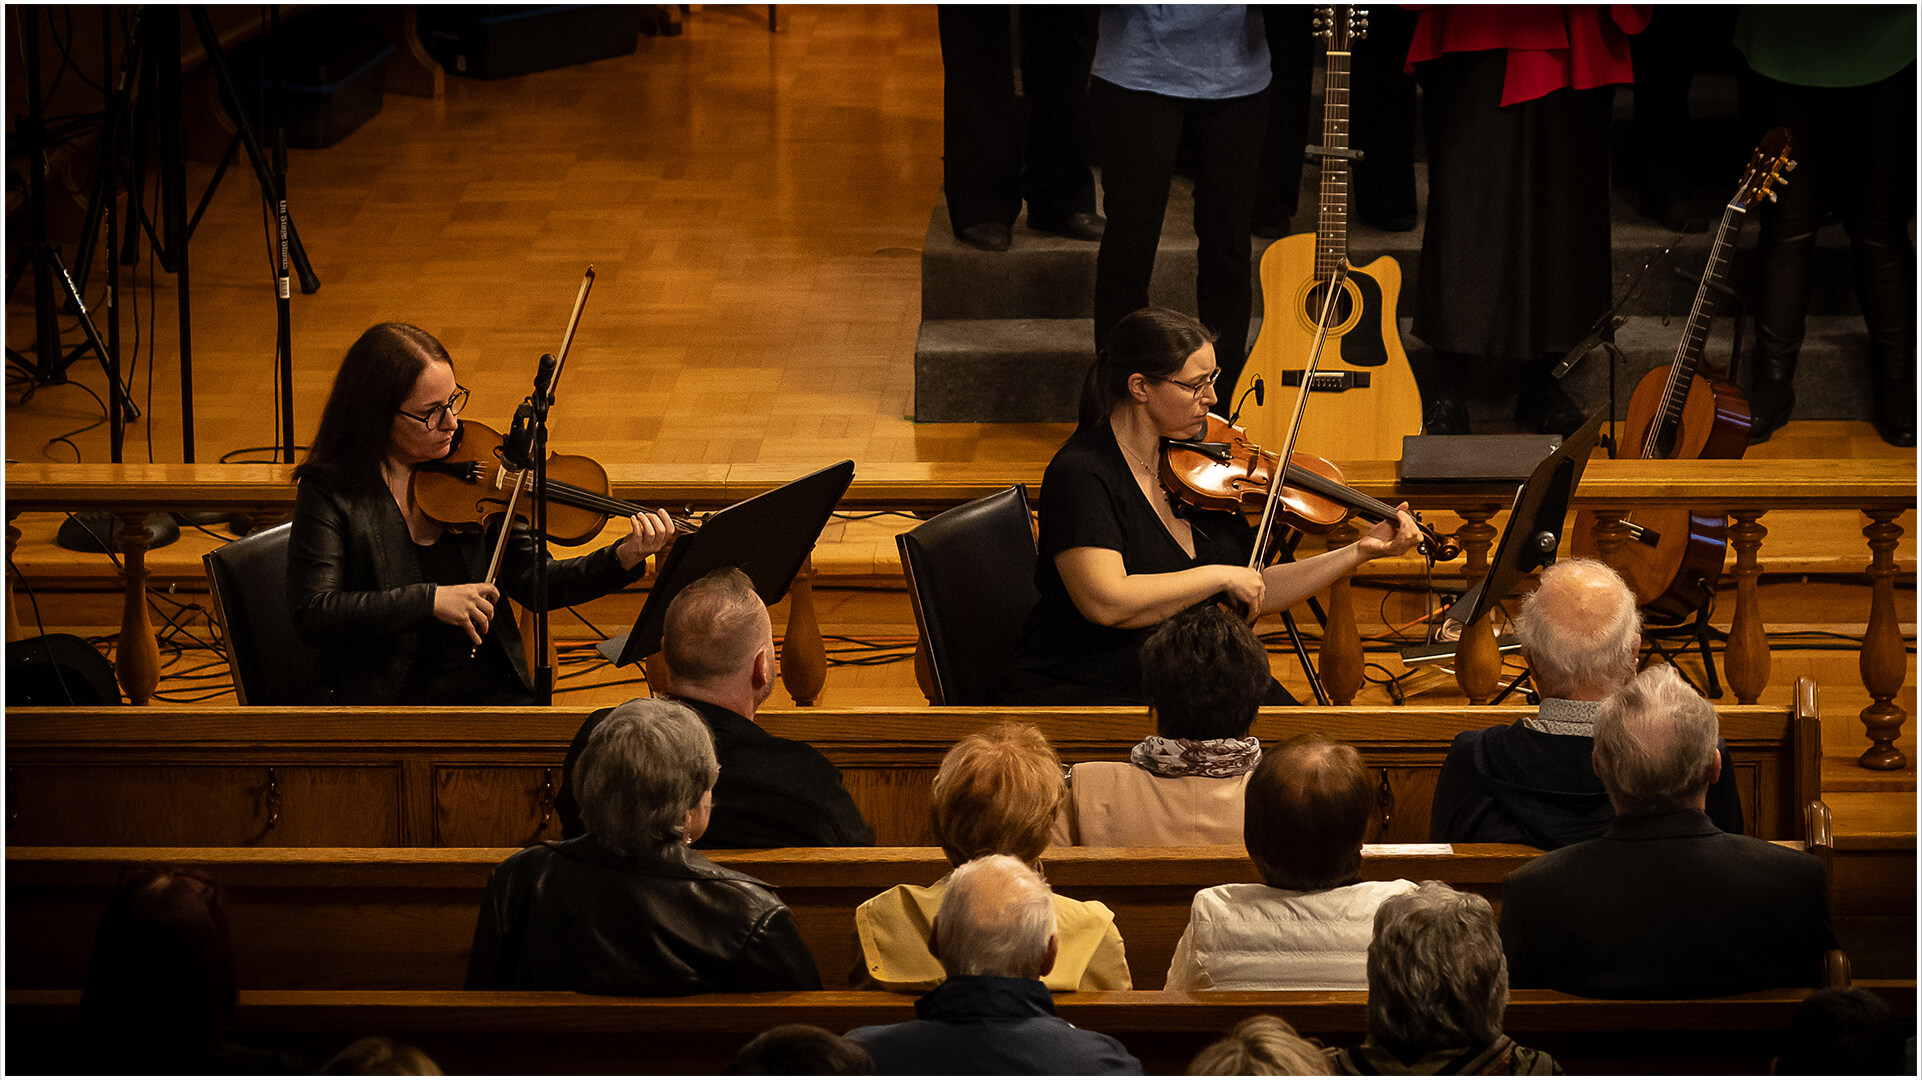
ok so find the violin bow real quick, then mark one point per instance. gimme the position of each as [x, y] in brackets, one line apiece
[523, 477]
[1267, 526]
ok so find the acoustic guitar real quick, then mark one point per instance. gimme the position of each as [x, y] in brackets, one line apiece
[1671, 558]
[1365, 395]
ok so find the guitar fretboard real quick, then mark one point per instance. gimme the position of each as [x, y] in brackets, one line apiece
[1688, 354]
[1331, 229]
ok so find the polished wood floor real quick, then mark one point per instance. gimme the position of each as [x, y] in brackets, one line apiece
[754, 205]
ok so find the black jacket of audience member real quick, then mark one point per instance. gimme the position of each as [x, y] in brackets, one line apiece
[1511, 784]
[773, 792]
[572, 915]
[985, 1025]
[1666, 906]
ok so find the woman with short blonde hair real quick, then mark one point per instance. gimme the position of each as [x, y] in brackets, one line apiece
[996, 793]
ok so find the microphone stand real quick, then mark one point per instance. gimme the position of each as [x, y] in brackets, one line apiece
[526, 448]
[1603, 334]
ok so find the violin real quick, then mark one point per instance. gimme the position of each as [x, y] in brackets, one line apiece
[1224, 471]
[473, 485]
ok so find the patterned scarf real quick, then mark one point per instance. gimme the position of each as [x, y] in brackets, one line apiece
[1196, 757]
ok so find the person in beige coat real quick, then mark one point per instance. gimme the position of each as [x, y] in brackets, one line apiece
[1204, 673]
[996, 793]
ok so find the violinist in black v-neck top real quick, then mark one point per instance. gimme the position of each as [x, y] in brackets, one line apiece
[1116, 558]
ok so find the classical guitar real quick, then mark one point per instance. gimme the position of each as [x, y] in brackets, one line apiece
[1365, 395]
[1672, 557]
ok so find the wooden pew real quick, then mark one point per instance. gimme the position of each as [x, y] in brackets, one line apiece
[229, 776]
[403, 918]
[549, 1033]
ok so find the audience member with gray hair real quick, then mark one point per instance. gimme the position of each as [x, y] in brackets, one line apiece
[995, 935]
[629, 908]
[1437, 988]
[1664, 904]
[773, 792]
[1530, 782]
[1260, 1046]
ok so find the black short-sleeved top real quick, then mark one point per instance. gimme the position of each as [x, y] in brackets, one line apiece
[1089, 498]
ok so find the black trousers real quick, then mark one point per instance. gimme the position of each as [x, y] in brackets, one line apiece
[1855, 151]
[1381, 117]
[999, 149]
[1136, 136]
[1291, 63]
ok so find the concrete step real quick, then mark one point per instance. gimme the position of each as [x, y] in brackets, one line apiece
[1026, 370]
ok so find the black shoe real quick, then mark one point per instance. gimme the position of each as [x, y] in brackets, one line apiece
[1543, 406]
[1079, 225]
[1770, 401]
[1444, 415]
[988, 236]
[1895, 413]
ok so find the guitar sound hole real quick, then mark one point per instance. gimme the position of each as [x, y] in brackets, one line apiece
[1317, 296]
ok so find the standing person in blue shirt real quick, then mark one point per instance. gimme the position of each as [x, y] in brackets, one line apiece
[1163, 72]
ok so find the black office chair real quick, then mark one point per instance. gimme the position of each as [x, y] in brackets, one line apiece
[271, 665]
[970, 575]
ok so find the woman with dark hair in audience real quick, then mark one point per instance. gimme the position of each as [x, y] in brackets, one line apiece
[997, 793]
[1205, 673]
[161, 988]
[1437, 989]
[1306, 927]
[398, 604]
[801, 1050]
[1118, 556]
[629, 908]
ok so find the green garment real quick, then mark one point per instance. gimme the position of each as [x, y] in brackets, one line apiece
[1827, 44]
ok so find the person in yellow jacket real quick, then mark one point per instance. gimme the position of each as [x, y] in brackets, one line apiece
[996, 793]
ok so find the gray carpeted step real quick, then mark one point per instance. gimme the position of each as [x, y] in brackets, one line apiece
[1013, 370]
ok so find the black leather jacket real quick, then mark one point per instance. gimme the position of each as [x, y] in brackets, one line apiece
[571, 915]
[355, 586]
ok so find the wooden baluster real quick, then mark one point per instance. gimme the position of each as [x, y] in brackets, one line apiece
[1746, 662]
[804, 660]
[1341, 658]
[1884, 658]
[1610, 533]
[14, 631]
[1478, 662]
[137, 656]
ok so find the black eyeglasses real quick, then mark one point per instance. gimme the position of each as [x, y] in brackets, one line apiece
[1195, 387]
[451, 407]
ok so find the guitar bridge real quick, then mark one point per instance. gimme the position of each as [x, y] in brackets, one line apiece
[1328, 382]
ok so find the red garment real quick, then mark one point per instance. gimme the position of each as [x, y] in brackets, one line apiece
[1550, 46]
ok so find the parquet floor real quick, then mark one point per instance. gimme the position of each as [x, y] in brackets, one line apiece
[753, 205]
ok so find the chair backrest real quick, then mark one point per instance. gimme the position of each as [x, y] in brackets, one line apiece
[970, 575]
[271, 665]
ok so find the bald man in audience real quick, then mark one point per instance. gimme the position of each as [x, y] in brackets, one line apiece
[995, 936]
[1664, 904]
[1530, 782]
[773, 792]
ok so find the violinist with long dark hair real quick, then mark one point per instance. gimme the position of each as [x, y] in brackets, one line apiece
[1116, 557]
[397, 602]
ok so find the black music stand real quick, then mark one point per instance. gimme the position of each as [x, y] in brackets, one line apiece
[767, 537]
[1529, 542]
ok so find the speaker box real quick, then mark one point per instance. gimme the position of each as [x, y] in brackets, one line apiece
[497, 41]
[58, 669]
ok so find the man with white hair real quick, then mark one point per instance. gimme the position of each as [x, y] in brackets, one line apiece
[995, 936]
[773, 792]
[1664, 904]
[1530, 782]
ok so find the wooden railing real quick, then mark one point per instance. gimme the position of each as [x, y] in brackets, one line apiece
[264, 776]
[1748, 490]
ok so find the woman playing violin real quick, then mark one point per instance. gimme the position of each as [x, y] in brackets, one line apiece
[1116, 557]
[398, 603]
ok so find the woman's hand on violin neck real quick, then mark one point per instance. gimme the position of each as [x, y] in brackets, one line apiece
[470, 607]
[1389, 537]
[647, 532]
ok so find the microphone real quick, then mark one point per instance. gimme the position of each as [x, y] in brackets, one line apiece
[1255, 389]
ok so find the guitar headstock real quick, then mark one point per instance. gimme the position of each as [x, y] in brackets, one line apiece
[1765, 170]
[1341, 25]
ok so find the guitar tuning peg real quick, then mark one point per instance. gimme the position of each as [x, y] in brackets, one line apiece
[1788, 165]
[1770, 194]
